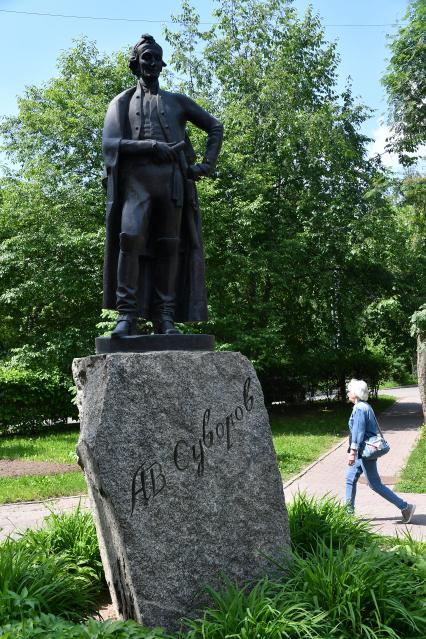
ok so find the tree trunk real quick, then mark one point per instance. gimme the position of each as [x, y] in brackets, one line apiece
[421, 370]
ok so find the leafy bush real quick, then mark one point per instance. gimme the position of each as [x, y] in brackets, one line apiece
[30, 400]
[320, 371]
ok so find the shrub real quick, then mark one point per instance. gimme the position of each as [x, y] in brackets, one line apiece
[320, 371]
[30, 400]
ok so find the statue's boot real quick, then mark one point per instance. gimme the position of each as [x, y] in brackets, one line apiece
[127, 286]
[126, 325]
[164, 293]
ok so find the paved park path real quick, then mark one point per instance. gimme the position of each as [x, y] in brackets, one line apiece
[400, 423]
[326, 476]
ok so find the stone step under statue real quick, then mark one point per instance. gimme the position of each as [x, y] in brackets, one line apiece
[146, 343]
[183, 478]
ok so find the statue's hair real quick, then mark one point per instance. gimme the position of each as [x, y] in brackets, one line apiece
[145, 39]
[359, 388]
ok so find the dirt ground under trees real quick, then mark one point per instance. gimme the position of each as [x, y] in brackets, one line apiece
[21, 467]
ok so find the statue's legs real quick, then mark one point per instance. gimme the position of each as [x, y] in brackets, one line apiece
[149, 211]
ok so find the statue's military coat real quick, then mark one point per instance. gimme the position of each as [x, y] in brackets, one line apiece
[174, 110]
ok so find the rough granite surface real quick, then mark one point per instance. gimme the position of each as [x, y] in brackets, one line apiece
[178, 457]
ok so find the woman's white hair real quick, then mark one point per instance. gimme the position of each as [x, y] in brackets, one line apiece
[359, 388]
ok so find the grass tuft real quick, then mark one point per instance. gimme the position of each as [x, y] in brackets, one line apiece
[313, 521]
[71, 534]
[260, 611]
[32, 582]
[56, 569]
[340, 583]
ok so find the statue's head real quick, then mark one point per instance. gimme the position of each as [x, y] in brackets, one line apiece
[146, 58]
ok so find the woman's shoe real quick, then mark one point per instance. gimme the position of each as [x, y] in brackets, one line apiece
[407, 513]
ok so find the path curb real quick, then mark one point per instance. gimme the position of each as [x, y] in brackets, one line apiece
[317, 461]
[42, 502]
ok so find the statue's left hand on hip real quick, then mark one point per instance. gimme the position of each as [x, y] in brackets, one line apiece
[197, 171]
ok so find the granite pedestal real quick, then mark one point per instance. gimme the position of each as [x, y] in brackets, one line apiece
[177, 452]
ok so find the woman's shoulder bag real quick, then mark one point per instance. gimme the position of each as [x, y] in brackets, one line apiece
[375, 446]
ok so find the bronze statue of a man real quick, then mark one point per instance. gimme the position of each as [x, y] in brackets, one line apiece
[154, 264]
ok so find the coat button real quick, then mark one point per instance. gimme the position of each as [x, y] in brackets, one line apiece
[138, 97]
[137, 113]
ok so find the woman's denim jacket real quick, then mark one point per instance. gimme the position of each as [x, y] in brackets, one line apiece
[362, 425]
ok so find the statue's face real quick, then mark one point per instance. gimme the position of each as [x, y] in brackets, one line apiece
[151, 64]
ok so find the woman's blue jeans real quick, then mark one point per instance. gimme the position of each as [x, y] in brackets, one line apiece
[369, 468]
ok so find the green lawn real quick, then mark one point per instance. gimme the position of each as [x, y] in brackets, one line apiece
[40, 487]
[56, 447]
[413, 477]
[302, 434]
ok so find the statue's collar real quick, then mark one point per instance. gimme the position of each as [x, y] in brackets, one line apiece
[152, 89]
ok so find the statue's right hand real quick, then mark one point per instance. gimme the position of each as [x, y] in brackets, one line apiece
[163, 152]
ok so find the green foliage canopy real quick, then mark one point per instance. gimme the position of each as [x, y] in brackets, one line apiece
[302, 240]
[52, 211]
[405, 83]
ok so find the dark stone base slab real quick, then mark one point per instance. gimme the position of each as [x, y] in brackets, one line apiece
[147, 343]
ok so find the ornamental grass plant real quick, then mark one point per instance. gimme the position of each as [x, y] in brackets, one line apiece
[56, 569]
[71, 535]
[324, 520]
[261, 611]
[342, 582]
[31, 582]
[342, 593]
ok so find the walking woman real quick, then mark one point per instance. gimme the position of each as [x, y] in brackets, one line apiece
[362, 426]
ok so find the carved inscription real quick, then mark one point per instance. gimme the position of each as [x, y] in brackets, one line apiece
[149, 478]
[186, 452]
